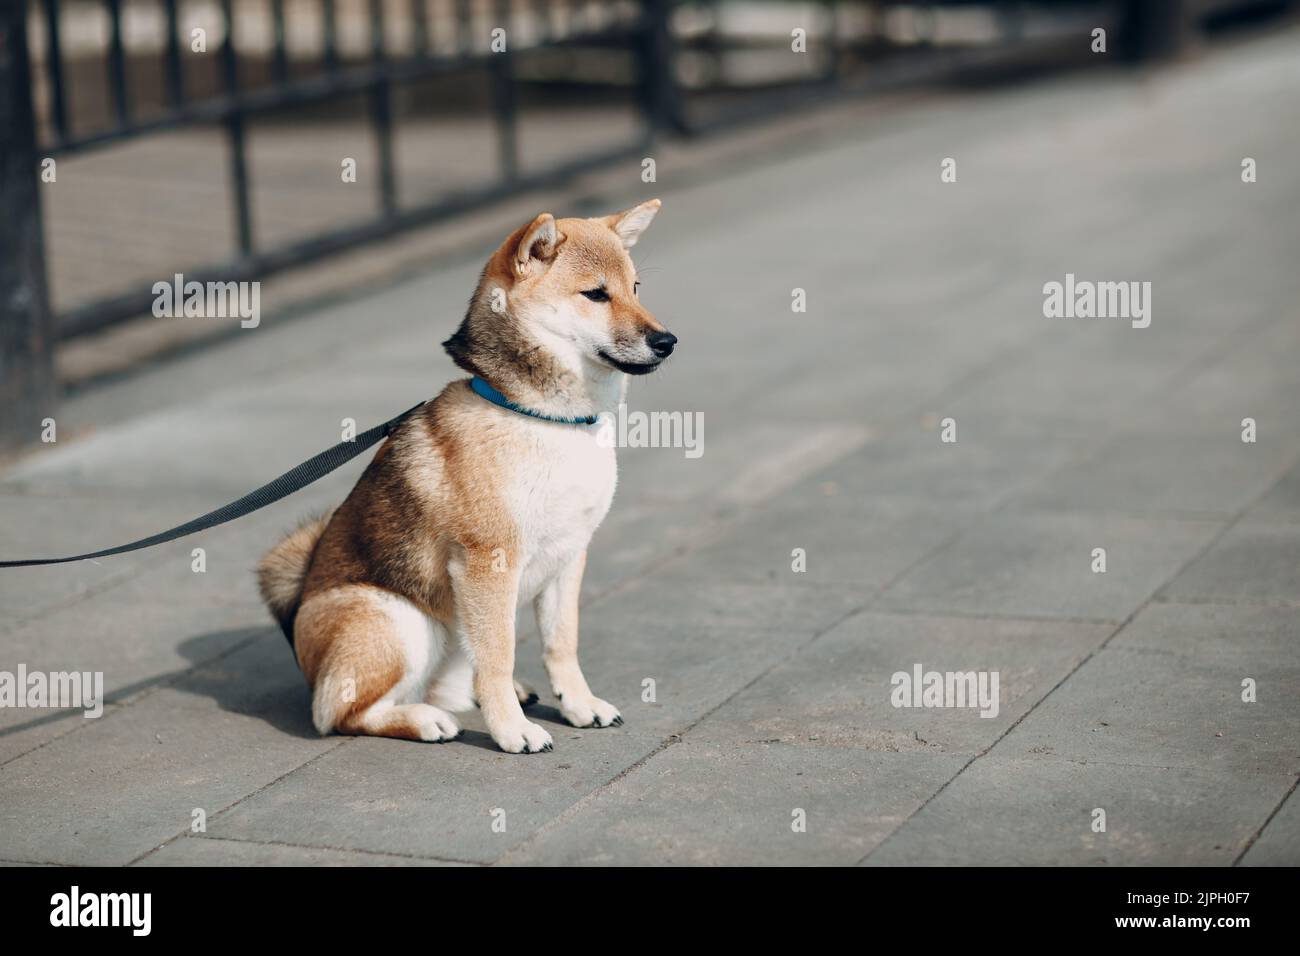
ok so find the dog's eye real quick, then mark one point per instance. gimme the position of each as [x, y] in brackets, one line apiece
[597, 295]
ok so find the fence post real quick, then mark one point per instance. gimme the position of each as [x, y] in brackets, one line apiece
[658, 82]
[26, 328]
[1155, 29]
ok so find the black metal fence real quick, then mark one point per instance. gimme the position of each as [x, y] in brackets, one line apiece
[233, 106]
[692, 69]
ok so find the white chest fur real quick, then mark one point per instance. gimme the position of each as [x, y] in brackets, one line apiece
[560, 491]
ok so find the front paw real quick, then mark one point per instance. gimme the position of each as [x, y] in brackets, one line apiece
[521, 737]
[590, 712]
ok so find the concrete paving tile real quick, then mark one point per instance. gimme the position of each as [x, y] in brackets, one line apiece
[637, 536]
[1251, 562]
[1279, 843]
[707, 804]
[230, 556]
[1165, 471]
[1041, 566]
[137, 647]
[199, 447]
[846, 540]
[744, 459]
[796, 606]
[26, 730]
[990, 459]
[204, 851]
[693, 668]
[47, 525]
[399, 797]
[1165, 710]
[131, 637]
[1243, 636]
[369, 390]
[837, 692]
[1084, 378]
[1282, 503]
[1252, 376]
[1039, 812]
[108, 794]
[145, 627]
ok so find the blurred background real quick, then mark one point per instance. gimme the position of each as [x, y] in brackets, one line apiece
[206, 136]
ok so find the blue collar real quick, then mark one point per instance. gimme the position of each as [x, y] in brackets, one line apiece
[496, 398]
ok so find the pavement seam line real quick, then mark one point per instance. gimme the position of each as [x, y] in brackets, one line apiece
[1250, 842]
[230, 806]
[161, 684]
[1279, 604]
[673, 738]
[1195, 365]
[336, 849]
[1205, 549]
[35, 862]
[588, 798]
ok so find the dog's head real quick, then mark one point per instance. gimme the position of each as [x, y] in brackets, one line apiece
[570, 286]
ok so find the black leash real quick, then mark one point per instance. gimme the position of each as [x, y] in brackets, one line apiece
[291, 481]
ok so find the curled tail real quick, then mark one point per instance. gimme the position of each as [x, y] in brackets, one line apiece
[281, 572]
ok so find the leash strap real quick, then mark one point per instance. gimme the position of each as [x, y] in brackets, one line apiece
[291, 481]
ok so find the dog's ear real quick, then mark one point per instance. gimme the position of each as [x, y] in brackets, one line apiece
[539, 244]
[630, 223]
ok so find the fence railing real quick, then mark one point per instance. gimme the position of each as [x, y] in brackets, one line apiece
[375, 79]
[688, 67]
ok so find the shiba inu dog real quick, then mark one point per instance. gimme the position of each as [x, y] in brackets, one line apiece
[400, 604]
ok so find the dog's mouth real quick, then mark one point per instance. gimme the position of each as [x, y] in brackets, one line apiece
[631, 368]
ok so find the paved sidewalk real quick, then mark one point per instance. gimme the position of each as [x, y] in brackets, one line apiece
[1119, 691]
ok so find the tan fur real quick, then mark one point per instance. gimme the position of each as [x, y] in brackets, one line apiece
[433, 536]
[281, 572]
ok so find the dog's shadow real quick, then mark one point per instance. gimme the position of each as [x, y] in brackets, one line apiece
[252, 672]
[476, 736]
[245, 671]
[257, 676]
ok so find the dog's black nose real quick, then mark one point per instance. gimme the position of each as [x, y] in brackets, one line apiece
[661, 343]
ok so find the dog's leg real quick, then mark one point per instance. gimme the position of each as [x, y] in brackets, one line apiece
[486, 596]
[407, 721]
[368, 655]
[557, 618]
[452, 686]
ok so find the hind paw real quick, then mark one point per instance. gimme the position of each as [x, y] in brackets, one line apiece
[436, 725]
[527, 696]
